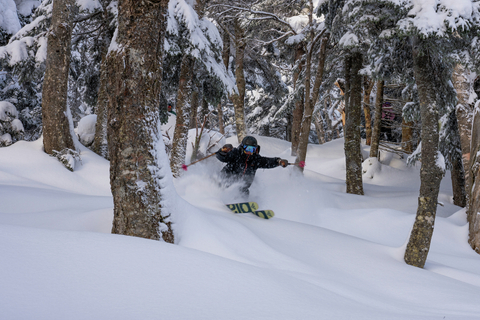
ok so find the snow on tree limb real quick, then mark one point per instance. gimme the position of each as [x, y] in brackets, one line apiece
[436, 17]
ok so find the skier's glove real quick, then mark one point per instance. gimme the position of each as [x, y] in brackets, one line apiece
[227, 148]
[283, 162]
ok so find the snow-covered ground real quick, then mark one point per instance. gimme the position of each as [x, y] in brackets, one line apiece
[325, 254]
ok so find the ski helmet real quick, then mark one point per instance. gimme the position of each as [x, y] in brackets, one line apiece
[249, 141]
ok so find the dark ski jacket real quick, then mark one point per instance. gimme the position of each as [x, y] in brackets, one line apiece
[243, 165]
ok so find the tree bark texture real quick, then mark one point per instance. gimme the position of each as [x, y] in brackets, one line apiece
[299, 102]
[194, 109]
[100, 142]
[204, 112]
[310, 100]
[180, 136]
[367, 89]
[56, 129]
[353, 109]
[430, 173]
[473, 208]
[407, 136]
[239, 98]
[221, 126]
[135, 74]
[464, 112]
[318, 121]
[457, 172]
[377, 122]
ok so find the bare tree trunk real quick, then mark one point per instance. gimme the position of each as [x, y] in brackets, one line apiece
[180, 136]
[353, 107]
[299, 103]
[239, 98]
[464, 112]
[194, 110]
[407, 136]
[457, 173]
[204, 112]
[430, 173]
[320, 130]
[221, 126]
[311, 99]
[367, 87]
[328, 121]
[473, 209]
[100, 143]
[377, 122]
[56, 129]
[135, 74]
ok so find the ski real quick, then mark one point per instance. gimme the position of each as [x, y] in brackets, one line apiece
[250, 207]
[265, 214]
[243, 207]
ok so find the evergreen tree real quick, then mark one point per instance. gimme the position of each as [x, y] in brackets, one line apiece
[196, 42]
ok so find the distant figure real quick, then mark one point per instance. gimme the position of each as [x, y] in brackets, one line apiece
[170, 109]
[387, 112]
[242, 163]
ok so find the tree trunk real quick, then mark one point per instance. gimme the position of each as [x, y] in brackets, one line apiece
[135, 141]
[194, 110]
[239, 98]
[377, 122]
[367, 87]
[226, 60]
[221, 126]
[100, 143]
[457, 173]
[299, 102]
[204, 112]
[473, 209]
[353, 109]
[407, 137]
[56, 129]
[180, 136]
[464, 112]
[430, 173]
[310, 100]
[320, 130]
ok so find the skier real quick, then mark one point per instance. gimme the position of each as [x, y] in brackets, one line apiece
[242, 163]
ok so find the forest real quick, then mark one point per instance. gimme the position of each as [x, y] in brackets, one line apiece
[399, 76]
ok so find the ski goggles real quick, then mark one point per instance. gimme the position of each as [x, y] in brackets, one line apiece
[249, 149]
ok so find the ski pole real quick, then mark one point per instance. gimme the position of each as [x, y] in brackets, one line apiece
[184, 166]
[301, 164]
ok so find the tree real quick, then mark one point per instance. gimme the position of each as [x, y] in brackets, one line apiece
[367, 90]
[138, 168]
[378, 120]
[430, 173]
[311, 92]
[473, 209]
[56, 129]
[353, 105]
[196, 42]
[22, 60]
[180, 137]
[464, 114]
[429, 66]
[239, 97]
